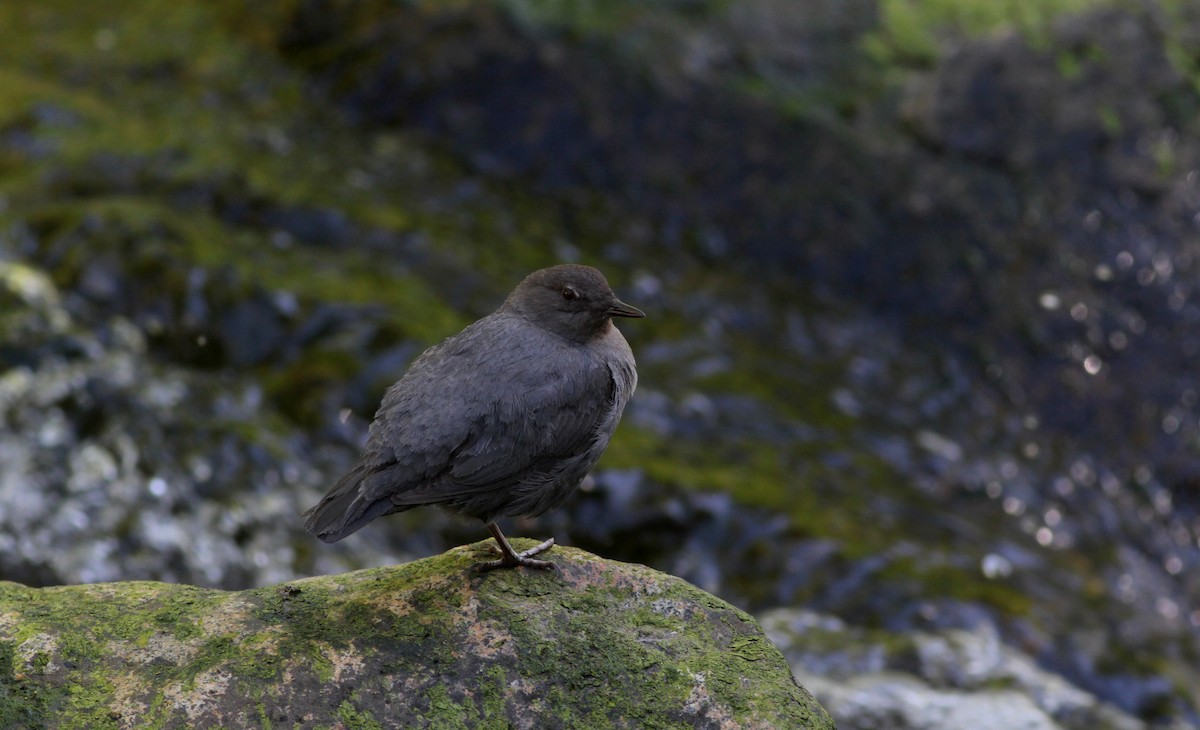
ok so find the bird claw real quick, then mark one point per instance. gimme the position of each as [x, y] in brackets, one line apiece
[513, 560]
[546, 545]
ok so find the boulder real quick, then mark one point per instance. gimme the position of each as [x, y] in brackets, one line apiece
[430, 643]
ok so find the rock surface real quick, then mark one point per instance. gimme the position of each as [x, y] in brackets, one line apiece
[426, 644]
[941, 679]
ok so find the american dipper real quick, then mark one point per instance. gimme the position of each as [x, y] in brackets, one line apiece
[501, 420]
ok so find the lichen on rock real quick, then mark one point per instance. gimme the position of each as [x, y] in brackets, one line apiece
[428, 644]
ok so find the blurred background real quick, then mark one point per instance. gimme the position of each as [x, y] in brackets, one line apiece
[918, 381]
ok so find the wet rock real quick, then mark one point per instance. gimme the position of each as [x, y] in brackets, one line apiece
[944, 680]
[430, 643]
[118, 467]
[898, 702]
[519, 101]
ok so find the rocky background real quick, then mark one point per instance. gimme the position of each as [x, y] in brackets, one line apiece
[918, 382]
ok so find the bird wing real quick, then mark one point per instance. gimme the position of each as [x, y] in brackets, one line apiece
[528, 430]
[485, 417]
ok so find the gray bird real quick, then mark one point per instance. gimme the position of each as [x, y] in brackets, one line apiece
[501, 420]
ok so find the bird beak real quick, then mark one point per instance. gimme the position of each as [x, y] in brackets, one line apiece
[620, 309]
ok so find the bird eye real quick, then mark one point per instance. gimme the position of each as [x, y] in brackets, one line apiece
[569, 293]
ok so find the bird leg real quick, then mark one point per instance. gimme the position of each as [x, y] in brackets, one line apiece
[510, 558]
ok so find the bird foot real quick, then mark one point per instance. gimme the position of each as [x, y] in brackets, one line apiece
[509, 559]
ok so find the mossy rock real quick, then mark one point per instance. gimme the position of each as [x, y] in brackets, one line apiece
[427, 644]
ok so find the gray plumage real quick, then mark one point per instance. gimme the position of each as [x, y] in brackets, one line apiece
[501, 420]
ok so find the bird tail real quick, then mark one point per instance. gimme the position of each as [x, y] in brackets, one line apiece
[345, 509]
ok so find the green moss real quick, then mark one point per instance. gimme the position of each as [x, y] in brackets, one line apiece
[214, 651]
[202, 131]
[615, 673]
[264, 720]
[794, 481]
[905, 35]
[424, 623]
[356, 719]
[445, 712]
[730, 674]
[90, 702]
[307, 607]
[912, 32]
[134, 617]
[959, 583]
[199, 239]
[1110, 119]
[492, 685]
[23, 704]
